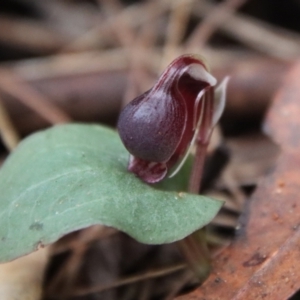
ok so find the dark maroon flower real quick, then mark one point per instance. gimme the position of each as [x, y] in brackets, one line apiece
[159, 127]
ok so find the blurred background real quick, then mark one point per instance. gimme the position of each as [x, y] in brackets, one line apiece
[83, 60]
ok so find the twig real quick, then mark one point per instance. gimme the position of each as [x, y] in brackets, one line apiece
[31, 35]
[224, 220]
[102, 32]
[178, 21]
[14, 86]
[258, 35]
[146, 290]
[8, 132]
[185, 279]
[73, 64]
[87, 235]
[139, 79]
[79, 245]
[130, 280]
[120, 26]
[214, 19]
[126, 37]
[135, 44]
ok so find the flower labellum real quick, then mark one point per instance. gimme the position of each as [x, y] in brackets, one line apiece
[159, 127]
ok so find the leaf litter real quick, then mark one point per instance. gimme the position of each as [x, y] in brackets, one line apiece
[96, 257]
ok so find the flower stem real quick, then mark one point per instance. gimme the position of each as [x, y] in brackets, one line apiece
[197, 170]
[194, 246]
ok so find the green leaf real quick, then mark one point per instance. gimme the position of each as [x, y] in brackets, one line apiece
[73, 176]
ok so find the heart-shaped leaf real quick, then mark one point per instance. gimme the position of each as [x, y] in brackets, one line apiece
[73, 176]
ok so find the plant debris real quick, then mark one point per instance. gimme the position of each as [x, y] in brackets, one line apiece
[83, 60]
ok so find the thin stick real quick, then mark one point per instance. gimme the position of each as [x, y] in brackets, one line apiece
[259, 35]
[87, 235]
[212, 21]
[132, 44]
[101, 33]
[79, 246]
[31, 35]
[178, 21]
[129, 280]
[184, 280]
[14, 86]
[9, 134]
[73, 64]
[139, 80]
[120, 27]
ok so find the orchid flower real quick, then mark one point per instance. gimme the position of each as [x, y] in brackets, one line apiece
[159, 127]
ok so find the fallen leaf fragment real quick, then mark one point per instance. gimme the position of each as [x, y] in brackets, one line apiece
[22, 278]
